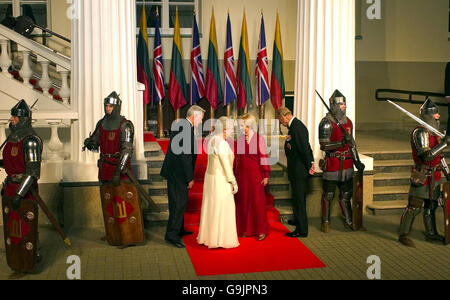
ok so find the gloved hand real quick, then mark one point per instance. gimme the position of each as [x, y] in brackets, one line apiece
[359, 166]
[448, 177]
[16, 201]
[235, 187]
[90, 144]
[116, 179]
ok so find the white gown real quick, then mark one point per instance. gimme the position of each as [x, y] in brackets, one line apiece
[218, 215]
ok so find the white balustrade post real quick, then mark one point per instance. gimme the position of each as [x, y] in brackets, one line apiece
[5, 59]
[64, 92]
[3, 124]
[45, 83]
[55, 145]
[26, 72]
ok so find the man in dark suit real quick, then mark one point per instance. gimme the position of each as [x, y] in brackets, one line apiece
[178, 169]
[300, 165]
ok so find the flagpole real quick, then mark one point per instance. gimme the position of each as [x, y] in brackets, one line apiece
[262, 112]
[160, 121]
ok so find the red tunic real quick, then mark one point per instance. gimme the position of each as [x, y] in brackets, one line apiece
[434, 141]
[250, 170]
[333, 163]
[110, 146]
[14, 162]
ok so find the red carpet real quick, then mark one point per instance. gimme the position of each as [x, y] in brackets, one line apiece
[276, 253]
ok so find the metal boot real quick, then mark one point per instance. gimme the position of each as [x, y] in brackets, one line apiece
[406, 222]
[326, 208]
[346, 208]
[429, 220]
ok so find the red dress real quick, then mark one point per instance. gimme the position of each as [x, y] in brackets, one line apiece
[251, 168]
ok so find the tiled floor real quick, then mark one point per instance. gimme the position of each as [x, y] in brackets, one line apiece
[344, 253]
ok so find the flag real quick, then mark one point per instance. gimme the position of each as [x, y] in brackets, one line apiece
[277, 86]
[262, 72]
[213, 83]
[229, 91]
[178, 91]
[197, 77]
[243, 72]
[143, 64]
[158, 92]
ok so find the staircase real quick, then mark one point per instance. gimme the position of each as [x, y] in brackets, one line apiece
[391, 184]
[278, 185]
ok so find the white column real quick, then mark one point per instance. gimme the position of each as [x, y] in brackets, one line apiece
[3, 124]
[325, 60]
[26, 72]
[103, 60]
[45, 83]
[5, 59]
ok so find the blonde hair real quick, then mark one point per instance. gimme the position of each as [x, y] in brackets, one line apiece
[283, 112]
[249, 121]
[223, 123]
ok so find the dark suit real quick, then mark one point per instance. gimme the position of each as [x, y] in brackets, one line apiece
[178, 169]
[299, 161]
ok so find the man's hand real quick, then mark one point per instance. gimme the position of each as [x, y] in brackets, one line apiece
[312, 171]
[16, 201]
[265, 181]
[191, 185]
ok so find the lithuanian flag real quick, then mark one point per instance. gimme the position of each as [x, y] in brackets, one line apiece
[243, 72]
[178, 90]
[214, 90]
[143, 64]
[277, 87]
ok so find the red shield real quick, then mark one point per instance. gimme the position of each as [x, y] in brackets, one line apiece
[18, 228]
[119, 209]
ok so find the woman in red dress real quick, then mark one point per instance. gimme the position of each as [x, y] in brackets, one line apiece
[252, 174]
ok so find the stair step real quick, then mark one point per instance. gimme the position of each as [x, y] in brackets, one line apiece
[387, 207]
[391, 179]
[155, 161]
[282, 195]
[390, 190]
[387, 193]
[157, 189]
[401, 155]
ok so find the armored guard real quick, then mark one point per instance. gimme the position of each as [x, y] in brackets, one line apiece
[22, 155]
[339, 161]
[426, 176]
[114, 136]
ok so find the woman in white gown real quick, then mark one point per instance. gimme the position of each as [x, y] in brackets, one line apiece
[218, 215]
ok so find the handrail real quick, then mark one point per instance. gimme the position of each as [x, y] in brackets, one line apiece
[410, 94]
[43, 51]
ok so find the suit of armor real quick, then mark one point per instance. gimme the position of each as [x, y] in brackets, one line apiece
[338, 165]
[114, 137]
[426, 177]
[22, 156]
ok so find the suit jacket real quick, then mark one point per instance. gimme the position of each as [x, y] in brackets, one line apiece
[180, 167]
[298, 151]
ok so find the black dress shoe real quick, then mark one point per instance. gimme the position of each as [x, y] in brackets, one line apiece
[185, 232]
[177, 244]
[296, 234]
